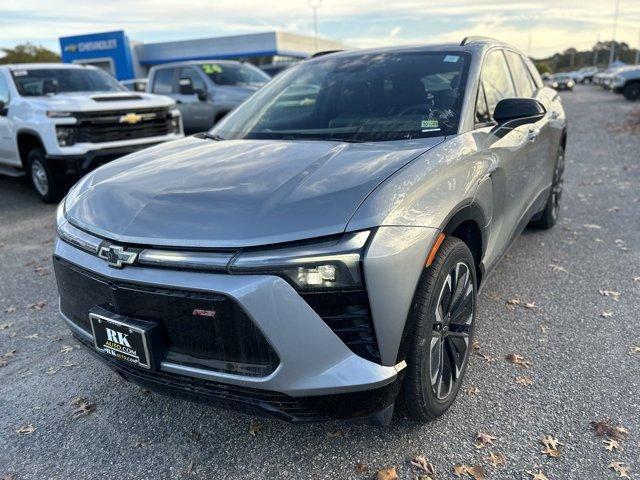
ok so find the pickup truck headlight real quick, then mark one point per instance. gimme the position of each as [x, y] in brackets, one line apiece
[66, 136]
[323, 266]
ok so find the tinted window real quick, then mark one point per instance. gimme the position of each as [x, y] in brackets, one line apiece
[357, 97]
[521, 77]
[163, 81]
[4, 90]
[234, 74]
[482, 111]
[45, 81]
[496, 79]
[196, 79]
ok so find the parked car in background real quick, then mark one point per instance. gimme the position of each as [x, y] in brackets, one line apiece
[273, 69]
[584, 75]
[627, 82]
[205, 91]
[321, 248]
[57, 122]
[135, 85]
[561, 81]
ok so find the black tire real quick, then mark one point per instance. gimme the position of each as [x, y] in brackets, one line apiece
[632, 91]
[424, 398]
[549, 216]
[47, 186]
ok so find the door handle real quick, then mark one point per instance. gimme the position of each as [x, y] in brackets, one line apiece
[533, 134]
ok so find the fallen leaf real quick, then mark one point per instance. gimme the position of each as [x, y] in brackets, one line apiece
[472, 391]
[51, 371]
[142, 443]
[550, 446]
[524, 381]
[635, 349]
[26, 429]
[497, 459]
[4, 326]
[195, 436]
[494, 296]
[476, 472]
[66, 349]
[557, 268]
[611, 445]
[424, 465]
[615, 296]
[360, 468]
[83, 407]
[636, 279]
[620, 469]
[459, 470]
[387, 474]
[39, 305]
[518, 360]
[604, 428]
[486, 358]
[334, 433]
[543, 328]
[483, 439]
[68, 364]
[255, 428]
[32, 336]
[538, 476]
[56, 338]
[592, 226]
[476, 345]
[607, 314]
[514, 302]
[10, 353]
[10, 309]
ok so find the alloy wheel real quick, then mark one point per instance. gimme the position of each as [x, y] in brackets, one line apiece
[452, 328]
[556, 189]
[39, 177]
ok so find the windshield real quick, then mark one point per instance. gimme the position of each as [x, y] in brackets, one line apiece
[234, 74]
[356, 98]
[45, 81]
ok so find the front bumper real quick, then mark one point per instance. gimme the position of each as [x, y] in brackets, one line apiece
[314, 365]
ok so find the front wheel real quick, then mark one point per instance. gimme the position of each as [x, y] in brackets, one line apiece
[49, 188]
[444, 314]
[632, 91]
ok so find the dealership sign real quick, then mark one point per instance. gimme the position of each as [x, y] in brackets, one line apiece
[96, 45]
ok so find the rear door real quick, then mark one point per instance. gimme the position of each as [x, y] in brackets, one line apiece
[8, 152]
[510, 172]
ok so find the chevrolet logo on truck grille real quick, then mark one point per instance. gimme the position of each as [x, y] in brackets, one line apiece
[116, 257]
[131, 118]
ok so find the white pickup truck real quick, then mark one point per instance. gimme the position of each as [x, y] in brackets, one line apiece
[59, 121]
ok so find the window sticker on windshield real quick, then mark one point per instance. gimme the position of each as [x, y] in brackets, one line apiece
[429, 125]
[19, 73]
[210, 68]
[451, 58]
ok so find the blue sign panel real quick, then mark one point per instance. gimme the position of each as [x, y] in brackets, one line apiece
[107, 47]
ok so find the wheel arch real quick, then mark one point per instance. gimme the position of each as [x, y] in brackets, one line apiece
[27, 140]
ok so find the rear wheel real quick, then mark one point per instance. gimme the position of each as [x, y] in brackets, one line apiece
[549, 216]
[444, 314]
[632, 91]
[49, 188]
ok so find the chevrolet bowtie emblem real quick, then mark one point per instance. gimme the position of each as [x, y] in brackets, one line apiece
[130, 118]
[116, 257]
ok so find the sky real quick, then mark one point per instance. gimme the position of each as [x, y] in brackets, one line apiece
[539, 27]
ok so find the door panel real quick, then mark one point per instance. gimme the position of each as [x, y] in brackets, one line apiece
[8, 152]
[198, 114]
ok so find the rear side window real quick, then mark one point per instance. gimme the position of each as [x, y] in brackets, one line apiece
[496, 79]
[521, 77]
[533, 71]
[163, 81]
[4, 90]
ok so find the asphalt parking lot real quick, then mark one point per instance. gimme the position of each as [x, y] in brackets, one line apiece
[582, 277]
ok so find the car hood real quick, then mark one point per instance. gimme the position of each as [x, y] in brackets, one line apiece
[97, 101]
[199, 192]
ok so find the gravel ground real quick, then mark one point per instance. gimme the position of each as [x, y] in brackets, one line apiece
[583, 365]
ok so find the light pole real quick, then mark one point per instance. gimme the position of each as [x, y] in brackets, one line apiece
[315, 5]
[638, 50]
[612, 51]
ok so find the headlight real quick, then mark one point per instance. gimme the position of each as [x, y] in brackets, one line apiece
[555, 84]
[322, 266]
[54, 114]
[66, 136]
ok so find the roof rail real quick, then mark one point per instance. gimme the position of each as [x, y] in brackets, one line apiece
[325, 52]
[476, 38]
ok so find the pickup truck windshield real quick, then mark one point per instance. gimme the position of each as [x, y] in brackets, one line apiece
[49, 81]
[356, 98]
[232, 74]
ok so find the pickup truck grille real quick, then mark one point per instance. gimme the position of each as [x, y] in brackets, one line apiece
[112, 126]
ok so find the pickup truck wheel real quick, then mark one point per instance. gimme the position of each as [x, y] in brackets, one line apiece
[444, 314]
[549, 216]
[632, 91]
[49, 188]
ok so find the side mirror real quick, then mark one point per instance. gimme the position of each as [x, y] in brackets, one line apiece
[4, 109]
[186, 86]
[513, 112]
[202, 95]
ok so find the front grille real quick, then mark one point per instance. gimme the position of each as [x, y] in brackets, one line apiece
[228, 342]
[100, 127]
